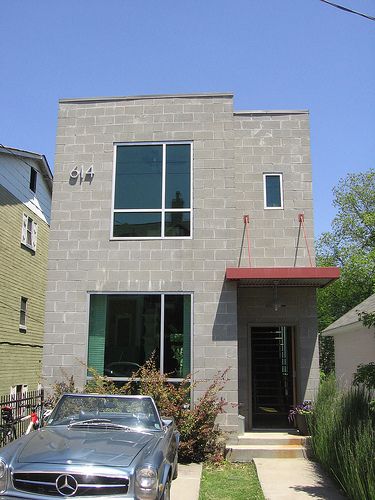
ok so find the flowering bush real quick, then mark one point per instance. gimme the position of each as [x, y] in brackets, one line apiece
[201, 438]
[304, 408]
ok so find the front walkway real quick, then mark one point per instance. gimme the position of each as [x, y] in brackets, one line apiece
[280, 479]
[187, 484]
[297, 478]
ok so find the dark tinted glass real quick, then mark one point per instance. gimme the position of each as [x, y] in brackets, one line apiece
[177, 188]
[273, 191]
[33, 176]
[177, 335]
[138, 177]
[177, 224]
[132, 332]
[139, 224]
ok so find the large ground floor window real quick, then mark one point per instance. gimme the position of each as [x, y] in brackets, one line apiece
[125, 330]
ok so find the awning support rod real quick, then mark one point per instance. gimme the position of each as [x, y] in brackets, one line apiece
[301, 220]
[246, 221]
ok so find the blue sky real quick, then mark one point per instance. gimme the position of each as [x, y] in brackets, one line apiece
[273, 54]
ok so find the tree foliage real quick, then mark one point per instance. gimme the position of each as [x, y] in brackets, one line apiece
[367, 318]
[349, 245]
[353, 227]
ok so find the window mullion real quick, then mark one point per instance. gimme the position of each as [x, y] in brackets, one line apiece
[162, 333]
[164, 175]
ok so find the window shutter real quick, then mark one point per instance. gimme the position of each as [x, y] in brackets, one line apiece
[34, 236]
[98, 319]
[24, 229]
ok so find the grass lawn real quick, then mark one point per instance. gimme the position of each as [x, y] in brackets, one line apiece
[230, 482]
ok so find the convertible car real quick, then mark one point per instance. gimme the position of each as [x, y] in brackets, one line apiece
[96, 447]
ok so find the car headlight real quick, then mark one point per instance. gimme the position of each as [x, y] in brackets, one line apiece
[3, 476]
[146, 483]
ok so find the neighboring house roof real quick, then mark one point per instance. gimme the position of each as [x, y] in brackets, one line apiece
[351, 317]
[41, 159]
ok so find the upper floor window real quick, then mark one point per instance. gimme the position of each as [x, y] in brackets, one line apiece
[273, 190]
[23, 312]
[152, 191]
[33, 177]
[29, 232]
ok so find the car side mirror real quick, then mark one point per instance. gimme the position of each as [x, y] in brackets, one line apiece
[167, 422]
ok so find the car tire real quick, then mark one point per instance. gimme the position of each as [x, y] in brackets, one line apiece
[167, 491]
[175, 471]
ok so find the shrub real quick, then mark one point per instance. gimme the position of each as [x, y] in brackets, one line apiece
[365, 375]
[201, 438]
[343, 437]
[60, 388]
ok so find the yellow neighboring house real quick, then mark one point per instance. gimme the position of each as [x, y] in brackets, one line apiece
[25, 204]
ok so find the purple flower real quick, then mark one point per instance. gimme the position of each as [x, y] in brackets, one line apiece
[302, 409]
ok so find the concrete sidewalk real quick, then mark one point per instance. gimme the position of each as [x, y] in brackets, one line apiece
[187, 484]
[297, 478]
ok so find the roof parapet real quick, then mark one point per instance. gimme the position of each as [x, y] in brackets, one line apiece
[260, 112]
[152, 96]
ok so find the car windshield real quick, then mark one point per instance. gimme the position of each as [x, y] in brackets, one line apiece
[127, 412]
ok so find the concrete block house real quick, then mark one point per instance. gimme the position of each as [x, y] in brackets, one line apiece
[150, 251]
[25, 205]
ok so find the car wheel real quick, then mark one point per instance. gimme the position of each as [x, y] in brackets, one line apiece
[167, 491]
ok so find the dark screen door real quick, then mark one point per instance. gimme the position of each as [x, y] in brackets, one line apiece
[272, 375]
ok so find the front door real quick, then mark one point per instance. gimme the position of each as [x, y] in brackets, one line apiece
[272, 368]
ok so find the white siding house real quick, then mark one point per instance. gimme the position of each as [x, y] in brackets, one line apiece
[354, 342]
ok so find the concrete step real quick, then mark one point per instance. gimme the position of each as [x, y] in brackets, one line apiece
[247, 452]
[250, 445]
[265, 438]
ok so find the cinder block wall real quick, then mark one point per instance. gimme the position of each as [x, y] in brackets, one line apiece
[274, 142]
[82, 258]
[231, 152]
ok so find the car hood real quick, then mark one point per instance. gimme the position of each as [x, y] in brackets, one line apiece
[64, 445]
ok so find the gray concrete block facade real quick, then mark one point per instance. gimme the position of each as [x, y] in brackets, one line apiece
[231, 151]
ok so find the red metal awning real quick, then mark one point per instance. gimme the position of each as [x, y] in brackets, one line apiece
[317, 277]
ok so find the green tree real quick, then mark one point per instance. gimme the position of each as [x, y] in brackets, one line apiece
[349, 245]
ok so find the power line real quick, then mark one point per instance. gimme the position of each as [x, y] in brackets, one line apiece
[16, 156]
[17, 310]
[346, 9]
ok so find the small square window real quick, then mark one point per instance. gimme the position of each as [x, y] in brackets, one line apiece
[33, 177]
[273, 191]
[23, 312]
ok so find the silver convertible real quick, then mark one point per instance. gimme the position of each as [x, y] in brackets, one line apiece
[96, 447]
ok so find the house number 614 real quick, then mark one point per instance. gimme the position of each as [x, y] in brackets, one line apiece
[78, 172]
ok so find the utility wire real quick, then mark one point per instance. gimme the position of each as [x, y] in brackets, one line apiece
[346, 9]
[16, 156]
[17, 310]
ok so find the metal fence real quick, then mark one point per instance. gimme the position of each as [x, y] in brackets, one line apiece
[16, 412]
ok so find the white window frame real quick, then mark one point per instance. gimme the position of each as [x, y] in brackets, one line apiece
[13, 390]
[161, 346]
[29, 227]
[161, 210]
[21, 410]
[273, 174]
